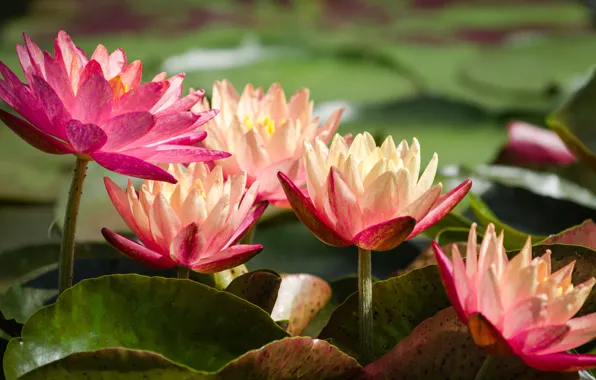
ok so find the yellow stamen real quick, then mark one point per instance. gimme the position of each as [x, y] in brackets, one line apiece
[267, 123]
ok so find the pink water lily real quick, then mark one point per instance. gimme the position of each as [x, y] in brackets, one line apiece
[194, 223]
[518, 306]
[265, 132]
[369, 196]
[528, 143]
[97, 109]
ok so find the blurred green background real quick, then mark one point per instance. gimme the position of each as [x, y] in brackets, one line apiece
[450, 72]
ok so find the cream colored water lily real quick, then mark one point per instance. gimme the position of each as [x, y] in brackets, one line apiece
[370, 196]
[265, 132]
[518, 307]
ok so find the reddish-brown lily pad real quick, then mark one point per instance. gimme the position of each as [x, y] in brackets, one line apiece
[301, 297]
[584, 234]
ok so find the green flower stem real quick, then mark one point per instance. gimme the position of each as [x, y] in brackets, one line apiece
[365, 311]
[67, 248]
[183, 272]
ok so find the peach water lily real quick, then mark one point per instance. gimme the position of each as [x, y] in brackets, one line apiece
[97, 109]
[193, 224]
[373, 197]
[518, 307]
[265, 132]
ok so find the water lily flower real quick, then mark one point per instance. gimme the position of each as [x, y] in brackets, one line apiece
[518, 307]
[530, 144]
[265, 132]
[97, 109]
[194, 223]
[369, 196]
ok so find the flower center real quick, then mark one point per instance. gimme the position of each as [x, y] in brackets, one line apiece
[265, 122]
[118, 87]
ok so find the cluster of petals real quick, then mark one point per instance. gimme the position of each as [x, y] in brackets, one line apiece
[265, 132]
[518, 306]
[97, 109]
[530, 144]
[369, 196]
[194, 223]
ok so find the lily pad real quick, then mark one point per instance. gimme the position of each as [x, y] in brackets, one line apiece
[120, 311]
[439, 348]
[259, 287]
[19, 303]
[288, 358]
[301, 297]
[399, 305]
[584, 235]
[574, 121]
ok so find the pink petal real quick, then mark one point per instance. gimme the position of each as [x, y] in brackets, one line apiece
[136, 251]
[444, 205]
[126, 129]
[9, 76]
[185, 104]
[386, 235]
[529, 143]
[308, 214]
[176, 154]
[131, 75]
[189, 138]
[132, 166]
[51, 106]
[171, 95]
[91, 69]
[186, 245]
[57, 78]
[93, 101]
[141, 98]
[561, 361]
[101, 55]
[228, 258]
[582, 330]
[34, 136]
[344, 205]
[251, 219]
[173, 125]
[534, 340]
[85, 138]
[35, 54]
[446, 272]
[120, 201]
[26, 63]
[116, 62]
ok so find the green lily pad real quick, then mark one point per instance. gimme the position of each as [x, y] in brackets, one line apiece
[259, 287]
[197, 326]
[26, 263]
[288, 358]
[301, 297]
[441, 345]
[19, 303]
[584, 235]
[399, 304]
[514, 239]
[574, 121]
